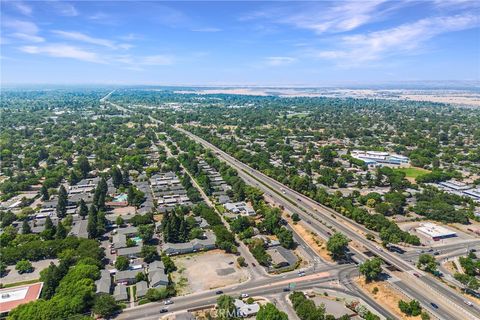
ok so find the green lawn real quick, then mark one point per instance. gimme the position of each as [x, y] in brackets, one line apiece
[413, 172]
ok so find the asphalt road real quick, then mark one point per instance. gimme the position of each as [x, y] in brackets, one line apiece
[258, 287]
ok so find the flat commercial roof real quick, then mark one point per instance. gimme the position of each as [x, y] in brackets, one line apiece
[10, 298]
[435, 231]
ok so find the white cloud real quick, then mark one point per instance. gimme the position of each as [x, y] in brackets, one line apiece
[23, 30]
[325, 17]
[27, 37]
[21, 26]
[64, 8]
[207, 29]
[279, 61]
[78, 36]
[63, 51]
[22, 8]
[406, 38]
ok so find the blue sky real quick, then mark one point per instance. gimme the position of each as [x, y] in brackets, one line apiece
[245, 43]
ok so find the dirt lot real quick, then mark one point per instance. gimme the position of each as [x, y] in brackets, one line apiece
[208, 270]
[313, 240]
[386, 296]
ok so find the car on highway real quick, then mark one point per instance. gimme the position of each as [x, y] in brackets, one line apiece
[416, 275]
[468, 303]
[434, 305]
[163, 310]
[244, 295]
[167, 302]
[219, 292]
[301, 274]
[286, 289]
[253, 264]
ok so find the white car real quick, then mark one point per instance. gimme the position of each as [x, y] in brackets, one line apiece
[244, 295]
[168, 302]
[468, 303]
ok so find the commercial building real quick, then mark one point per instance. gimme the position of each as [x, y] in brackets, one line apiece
[379, 157]
[10, 298]
[435, 232]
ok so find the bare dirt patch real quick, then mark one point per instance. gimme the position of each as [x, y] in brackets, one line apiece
[386, 296]
[313, 240]
[207, 270]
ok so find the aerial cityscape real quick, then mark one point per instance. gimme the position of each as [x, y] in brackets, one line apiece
[231, 160]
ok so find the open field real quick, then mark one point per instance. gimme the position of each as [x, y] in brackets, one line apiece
[413, 172]
[386, 296]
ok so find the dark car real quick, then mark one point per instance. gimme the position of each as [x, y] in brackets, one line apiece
[253, 264]
[434, 305]
[163, 310]
[218, 292]
[286, 289]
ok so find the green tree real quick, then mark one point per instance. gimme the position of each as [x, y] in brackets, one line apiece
[49, 232]
[100, 194]
[146, 232]
[105, 305]
[412, 308]
[168, 263]
[295, 217]
[117, 178]
[83, 212]
[337, 245]
[84, 166]
[50, 277]
[119, 221]
[371, 269]
[92, 222]
[226, 307]
[122, 263]
[149, 253]
[270, 312]
[61, 231]
[44, 193]
[62, 202]
[285, 237]
[24, 266]
[427, 263]
[156, 294]
[26, 227]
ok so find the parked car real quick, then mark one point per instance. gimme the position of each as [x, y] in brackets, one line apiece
[286, 289]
